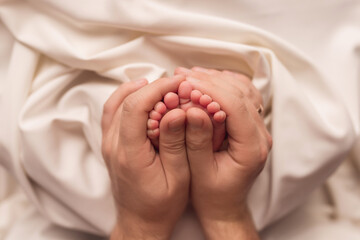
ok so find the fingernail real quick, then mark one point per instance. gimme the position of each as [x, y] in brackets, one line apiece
[193, 80]
[141, 81]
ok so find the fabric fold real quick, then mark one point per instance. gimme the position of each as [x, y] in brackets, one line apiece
[68, 57]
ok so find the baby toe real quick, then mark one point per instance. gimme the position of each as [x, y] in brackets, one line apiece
[154, 133]
[160, 107]
[184, 92]
[213, 107]
[220, 116]
[195, 96]
[205, 100]
[155, 115]
[171, 100]
[152, 124]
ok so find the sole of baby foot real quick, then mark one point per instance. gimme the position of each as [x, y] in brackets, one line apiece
[170, 101]
[189, 98]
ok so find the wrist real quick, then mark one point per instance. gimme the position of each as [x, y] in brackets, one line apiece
[137, 229]
[234, 227]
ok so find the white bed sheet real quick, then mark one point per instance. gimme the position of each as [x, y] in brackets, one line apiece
[60, 60]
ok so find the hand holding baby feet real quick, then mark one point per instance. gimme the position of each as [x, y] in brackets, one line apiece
[188, 95]
[150, 188]
[194, 98]
[234, 81]
[184, 99]
[220, 181]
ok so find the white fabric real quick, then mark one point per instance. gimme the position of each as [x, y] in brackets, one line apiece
[60, 60]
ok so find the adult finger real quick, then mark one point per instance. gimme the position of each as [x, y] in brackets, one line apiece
[116, 98]
[136, 107]
[240, 87]
[182, 70]
[231, 81]
[206, 70]
[244, 84]
[110, 118]
[240, 124]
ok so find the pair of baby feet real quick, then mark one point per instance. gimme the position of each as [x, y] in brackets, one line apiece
[186, 98]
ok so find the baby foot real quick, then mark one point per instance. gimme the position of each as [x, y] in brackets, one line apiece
[171, 101]
[187, 98]
[194, 98]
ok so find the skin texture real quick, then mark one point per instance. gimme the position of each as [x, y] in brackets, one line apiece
[186, 98]
[152, 189]
[221, 180]
[147, 185]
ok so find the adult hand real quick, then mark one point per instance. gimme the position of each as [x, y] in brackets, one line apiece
[150, 189]
[221, 180]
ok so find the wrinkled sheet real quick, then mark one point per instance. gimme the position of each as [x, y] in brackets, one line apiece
[60, 60]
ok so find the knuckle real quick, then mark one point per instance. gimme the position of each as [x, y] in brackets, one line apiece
[244, 90]
[129, 104]
[263, 154]
[239, 103]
